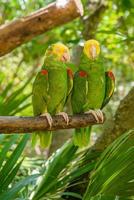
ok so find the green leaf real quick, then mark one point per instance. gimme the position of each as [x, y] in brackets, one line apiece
[76, 173]
[11, 193]
[11, 176]
[72, 194]
[20, 109]
[114, 172]
[54, 166]
[6, 148]
[10, 163]
[19, 91]
[13, 105]
[107, 197]
[6, 90]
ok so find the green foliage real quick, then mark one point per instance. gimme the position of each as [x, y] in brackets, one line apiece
[61, 171]
[112, 177]
[114, 171]
[10, 163]
[107, 197]
[54, 167]
[13, 192]
[16, 101]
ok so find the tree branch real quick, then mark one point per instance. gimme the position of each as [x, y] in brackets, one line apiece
[24, 29]
[92, 21]
[9, 124]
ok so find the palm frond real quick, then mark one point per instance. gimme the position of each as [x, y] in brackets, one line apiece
[55, 165]
[108, 197]
[10, 162]
[11, 193]
[114, 172]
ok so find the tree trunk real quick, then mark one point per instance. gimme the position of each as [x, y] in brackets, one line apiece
[122, 122]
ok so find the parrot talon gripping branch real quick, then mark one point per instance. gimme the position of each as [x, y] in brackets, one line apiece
[19, 125]
[98, 115]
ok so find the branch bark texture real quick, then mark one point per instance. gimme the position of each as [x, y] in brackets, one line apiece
[24, 29]
[9, 124]
[122, 122]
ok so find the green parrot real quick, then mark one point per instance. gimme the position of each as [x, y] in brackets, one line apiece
[51, 88]
[92, 90]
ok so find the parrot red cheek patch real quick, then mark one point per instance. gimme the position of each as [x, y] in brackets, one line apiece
[82, 74]
[70, 73]
[44, 72]
[111, 75]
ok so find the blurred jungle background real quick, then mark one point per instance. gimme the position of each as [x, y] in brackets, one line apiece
[111, 22]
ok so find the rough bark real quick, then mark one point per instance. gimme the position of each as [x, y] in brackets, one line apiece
[9, 124]
[24, 29]
[122, 121]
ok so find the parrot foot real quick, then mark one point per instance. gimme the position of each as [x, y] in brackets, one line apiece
[65, 116]
[98, 115]
[49, 119]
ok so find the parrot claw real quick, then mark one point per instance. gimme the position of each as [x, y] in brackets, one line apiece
[49, 119]
[98, 115]
[65, 116]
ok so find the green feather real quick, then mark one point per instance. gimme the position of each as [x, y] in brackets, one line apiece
[49, 93]
[81, 137]
[110, 85]
[88, 93]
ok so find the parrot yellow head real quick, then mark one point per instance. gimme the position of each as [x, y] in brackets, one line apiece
[91, 49]
[59, 51]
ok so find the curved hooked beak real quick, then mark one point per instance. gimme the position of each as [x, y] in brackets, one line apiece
[65, 57]
[93, 52]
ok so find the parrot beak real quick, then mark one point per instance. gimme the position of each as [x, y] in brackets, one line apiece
[93, 52]
[65, 57]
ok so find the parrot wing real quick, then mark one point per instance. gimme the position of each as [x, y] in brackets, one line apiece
[39, 93]
[39, 101]
[79, 92]
[69, 81]
[110, 85]
[81, 136]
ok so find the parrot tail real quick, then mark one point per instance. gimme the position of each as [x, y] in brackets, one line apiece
[81, 136]
[45, 138]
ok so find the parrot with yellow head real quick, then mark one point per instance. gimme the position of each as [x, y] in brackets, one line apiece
[92, 90]
[51, 88]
